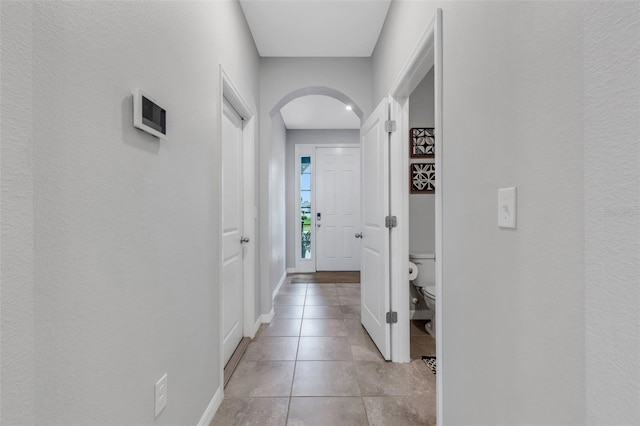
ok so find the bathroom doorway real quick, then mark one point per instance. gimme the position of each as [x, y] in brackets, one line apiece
[421, 242]
[426, 58]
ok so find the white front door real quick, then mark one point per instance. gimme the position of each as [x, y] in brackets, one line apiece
[337, 209]
[374, 278]
[232, 216]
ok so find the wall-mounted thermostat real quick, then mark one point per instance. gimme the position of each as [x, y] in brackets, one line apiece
[148, 115]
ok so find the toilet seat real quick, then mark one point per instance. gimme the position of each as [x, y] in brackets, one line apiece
[428, 291]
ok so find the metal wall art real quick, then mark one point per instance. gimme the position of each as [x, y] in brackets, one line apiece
[423, 142]
[423, 178]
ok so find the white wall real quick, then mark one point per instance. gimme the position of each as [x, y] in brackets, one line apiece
[16, 215]
[422, 214]
[305, 137]
[277, 242]
[280, 77]
[109, 236]
[513, 300]
[612, 212]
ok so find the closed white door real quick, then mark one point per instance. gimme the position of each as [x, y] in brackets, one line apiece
[232, 214]
[337, 209]
[374, 276]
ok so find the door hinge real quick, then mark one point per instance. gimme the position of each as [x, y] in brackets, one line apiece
[392, 317]
[390, 221]
[390, 126]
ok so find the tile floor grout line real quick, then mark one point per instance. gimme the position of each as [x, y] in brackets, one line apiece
[364, 407]
[295, 361]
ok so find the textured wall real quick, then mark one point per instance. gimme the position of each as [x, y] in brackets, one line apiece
[513, 300]
[612, 212]
[277, 242]
[16, 215]
[422, 214]
[124, 227]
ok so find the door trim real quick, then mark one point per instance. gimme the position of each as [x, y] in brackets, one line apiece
[427, 53]
[228, 90]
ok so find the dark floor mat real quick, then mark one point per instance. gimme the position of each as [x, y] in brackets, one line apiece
[431, 363]
[327, 277]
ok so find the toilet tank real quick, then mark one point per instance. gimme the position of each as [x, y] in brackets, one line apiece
[426, 268]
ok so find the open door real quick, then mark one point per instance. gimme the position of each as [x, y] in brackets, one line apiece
[374, 148]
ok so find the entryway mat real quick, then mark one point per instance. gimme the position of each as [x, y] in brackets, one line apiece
[327, 277]
[431, 363]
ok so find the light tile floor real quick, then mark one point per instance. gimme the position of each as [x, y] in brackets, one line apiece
[315, 365]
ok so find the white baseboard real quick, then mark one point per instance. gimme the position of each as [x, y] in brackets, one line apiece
[291, 270]
[266, 318]
[256, 326]
[213, 406]
[277, 289]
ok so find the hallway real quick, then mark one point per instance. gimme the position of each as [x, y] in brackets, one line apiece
[315, 365]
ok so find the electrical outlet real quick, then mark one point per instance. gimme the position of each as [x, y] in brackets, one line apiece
[161, 394]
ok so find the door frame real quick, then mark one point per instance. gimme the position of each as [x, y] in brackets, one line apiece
[309, 150]
[229, 91]
[427, 54]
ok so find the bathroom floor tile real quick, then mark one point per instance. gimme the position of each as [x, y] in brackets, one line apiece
[322, 300]
[325, 378]
[252, 412]
[417, 328]
[391, 379]
[324, 411]
[318, 312]
[288, 311]
[400, 411]
[323, 327]
[283, 327]
[261, 378]
[267, 348]
[324, 349]
[422, 346]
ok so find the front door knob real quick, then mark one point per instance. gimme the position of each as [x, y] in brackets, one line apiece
[358, 235]
[244, 240]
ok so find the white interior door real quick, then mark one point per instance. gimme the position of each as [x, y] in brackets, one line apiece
[232, 216]
[338, 209]
[374, 146]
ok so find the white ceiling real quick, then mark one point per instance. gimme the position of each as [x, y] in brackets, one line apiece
[318, 112]
[315, 28]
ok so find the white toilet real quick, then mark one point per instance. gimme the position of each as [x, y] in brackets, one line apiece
[425, 284]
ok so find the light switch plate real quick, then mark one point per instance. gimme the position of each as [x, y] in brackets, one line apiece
[507, 207]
